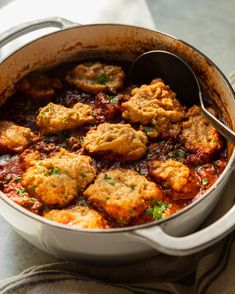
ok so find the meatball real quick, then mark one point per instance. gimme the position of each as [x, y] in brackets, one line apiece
[59, 179]
[117, 140]
[198, 135]
[14, 138]
[122, 194]
[55, 118]
[79, 216]
[177, 176]
[96, 77]
[153, 104]
[39, 86]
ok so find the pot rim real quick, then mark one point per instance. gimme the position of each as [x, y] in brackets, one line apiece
[75, 229]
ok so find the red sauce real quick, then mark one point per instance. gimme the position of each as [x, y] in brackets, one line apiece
[23, 111]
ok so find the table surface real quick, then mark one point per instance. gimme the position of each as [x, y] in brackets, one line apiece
[208, 25]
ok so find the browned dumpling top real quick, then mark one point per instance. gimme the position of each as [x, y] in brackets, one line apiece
[39, 86]
[55, 118]
[58, 179]
[96, 77]
[176, 176]
[198, 134]
[122, 193]
[14, 138]
[154, 104]
[117, 140]
[79, 216]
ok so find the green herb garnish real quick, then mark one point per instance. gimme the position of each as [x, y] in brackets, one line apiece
[17, 178]
[33, 188]
[198, 165]
[205, 181]
[158, 208]
[82, 175]
[114, 100]
[54, 171]
[122, 220]
[8, 158]
[8, 178]
[149, 130]
[102, 79]
[109, 180]
[179, 155]
[132, 212]
[21, 192]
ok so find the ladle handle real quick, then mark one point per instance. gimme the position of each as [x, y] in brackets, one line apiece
[228, 133]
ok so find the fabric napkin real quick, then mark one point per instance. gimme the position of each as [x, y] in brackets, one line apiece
[211, 271]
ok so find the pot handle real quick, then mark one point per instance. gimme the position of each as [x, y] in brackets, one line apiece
[25, 28]
[181, 246]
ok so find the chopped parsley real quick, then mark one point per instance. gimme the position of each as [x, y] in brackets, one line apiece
[54, 171]
[109, 180]
[150, 151]
[49, 139]
[132, 212]
[205, 181]
[42, 170]
[17, 178]
[102, 79]
[8, 158]
[21, 192]
[81, 198]
[79, 189]
[157, 124]
[8, 178]
[122, 220]
[114, 100]
[216, 163]
[178, 154]
[149, 130]
[82, 175]
[33, 188]
[158, 208]
[198, 165]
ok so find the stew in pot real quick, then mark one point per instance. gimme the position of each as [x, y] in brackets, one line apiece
[80, 145]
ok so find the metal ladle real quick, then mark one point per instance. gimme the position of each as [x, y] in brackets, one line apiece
[181, 78]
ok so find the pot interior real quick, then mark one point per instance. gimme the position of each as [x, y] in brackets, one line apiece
[116, 42]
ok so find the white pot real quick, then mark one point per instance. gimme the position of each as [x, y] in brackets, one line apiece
[122, 42]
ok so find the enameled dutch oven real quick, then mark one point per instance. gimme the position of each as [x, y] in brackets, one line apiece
[172, 235]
